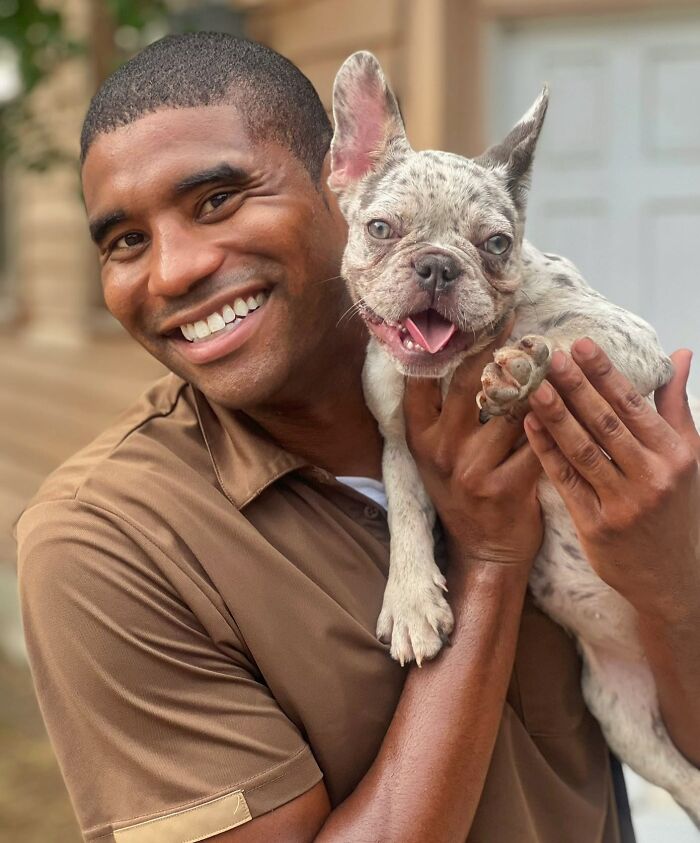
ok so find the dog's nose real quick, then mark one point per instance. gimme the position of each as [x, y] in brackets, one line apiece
[436, 271]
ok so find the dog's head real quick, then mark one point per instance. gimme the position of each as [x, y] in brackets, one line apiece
[434, 240]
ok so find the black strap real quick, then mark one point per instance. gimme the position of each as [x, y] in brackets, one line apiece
[623, 804]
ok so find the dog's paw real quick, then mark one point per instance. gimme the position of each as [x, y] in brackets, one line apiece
[416, 620]
[516, 372]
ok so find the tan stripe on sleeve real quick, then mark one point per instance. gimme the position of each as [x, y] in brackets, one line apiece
[190, 824]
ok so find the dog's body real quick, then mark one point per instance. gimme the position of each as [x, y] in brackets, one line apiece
[436, 262]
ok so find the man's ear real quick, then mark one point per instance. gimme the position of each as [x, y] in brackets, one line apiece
[368, 123]
[513, 157]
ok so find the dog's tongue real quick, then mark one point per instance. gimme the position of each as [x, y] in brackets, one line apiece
[430, 330]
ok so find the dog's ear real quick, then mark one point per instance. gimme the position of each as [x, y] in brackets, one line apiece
[513, 156]
[368, 124]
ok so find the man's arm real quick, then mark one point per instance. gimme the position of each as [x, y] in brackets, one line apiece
[427, 779]
[638, 513]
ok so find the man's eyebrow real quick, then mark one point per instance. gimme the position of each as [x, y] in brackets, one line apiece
[100, 226]
[219, 172]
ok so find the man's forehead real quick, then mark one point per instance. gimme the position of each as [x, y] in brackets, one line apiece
[166, 145]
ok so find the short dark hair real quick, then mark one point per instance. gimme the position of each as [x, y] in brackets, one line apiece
[275, 99]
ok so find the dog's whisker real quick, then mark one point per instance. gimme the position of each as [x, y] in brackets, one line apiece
[353, 310]
[532, 303]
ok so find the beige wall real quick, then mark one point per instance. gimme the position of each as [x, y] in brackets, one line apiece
[431, 50]
[427, 47]
[54, 263]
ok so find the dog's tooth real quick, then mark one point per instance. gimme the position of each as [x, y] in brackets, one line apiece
[240, 308]
[252, 303]
[228, 313]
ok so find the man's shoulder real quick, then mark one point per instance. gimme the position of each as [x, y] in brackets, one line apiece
[110, 518]
[140, 448]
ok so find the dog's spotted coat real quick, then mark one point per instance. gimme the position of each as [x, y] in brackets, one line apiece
[444, 208]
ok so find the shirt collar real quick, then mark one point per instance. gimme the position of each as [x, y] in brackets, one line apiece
[245, 458]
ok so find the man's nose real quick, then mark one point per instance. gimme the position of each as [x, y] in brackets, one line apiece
[179, 260]
[436, 271]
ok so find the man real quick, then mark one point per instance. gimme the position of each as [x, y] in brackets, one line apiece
[200, 590]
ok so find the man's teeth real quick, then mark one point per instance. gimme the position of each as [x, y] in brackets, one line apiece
[217, 321]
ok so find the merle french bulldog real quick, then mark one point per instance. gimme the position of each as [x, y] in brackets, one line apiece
[436, 263]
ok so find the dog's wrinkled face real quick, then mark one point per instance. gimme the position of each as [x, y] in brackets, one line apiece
[434, 239]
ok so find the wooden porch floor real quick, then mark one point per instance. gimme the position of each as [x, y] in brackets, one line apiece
[54, 401]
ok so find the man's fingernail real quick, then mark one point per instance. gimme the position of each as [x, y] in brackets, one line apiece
[544, 394]
[585, 348]
[533, 422]
[559, 361]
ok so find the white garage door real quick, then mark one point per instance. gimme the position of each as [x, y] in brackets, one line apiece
[616, 184]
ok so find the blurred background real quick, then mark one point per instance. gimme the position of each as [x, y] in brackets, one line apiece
[616, 189]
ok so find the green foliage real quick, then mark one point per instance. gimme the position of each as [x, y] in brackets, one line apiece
[40, 42]
[136, 14]
[37, 36]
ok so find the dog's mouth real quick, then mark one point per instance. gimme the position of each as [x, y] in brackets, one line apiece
[426, 337]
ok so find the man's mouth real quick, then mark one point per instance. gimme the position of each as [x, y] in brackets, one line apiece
[230, 317]
[218, 334]
[420, 335]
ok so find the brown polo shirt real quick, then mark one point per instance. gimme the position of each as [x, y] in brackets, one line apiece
[200, 609]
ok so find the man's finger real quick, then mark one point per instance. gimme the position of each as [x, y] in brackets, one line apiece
[492, 443]
[574, 490]
[596, 415]
[522, 468]
[422, 402]
[672, 399]
[633, 409]
[576, 445]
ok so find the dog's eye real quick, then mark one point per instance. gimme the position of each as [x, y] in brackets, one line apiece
[379, 229]
[497, 245]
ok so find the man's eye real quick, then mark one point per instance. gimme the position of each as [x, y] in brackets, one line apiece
[379, 229]
[128, 241]
[497, 245]
[214, 202]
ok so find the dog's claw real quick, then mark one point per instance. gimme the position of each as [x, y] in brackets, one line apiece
[417, 626]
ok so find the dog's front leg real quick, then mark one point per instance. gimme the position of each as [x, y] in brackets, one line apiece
[415, 618]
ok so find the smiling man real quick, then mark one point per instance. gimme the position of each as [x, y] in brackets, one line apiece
[200, 585]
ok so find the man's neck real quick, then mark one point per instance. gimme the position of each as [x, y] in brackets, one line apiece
[344, 445]
[332, 427]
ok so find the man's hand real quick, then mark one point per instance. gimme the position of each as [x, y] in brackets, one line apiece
[482, 485]
[629, 477]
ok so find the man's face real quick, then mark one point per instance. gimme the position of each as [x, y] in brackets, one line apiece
[191, 218]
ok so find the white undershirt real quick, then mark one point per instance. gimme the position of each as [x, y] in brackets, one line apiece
[370, 488]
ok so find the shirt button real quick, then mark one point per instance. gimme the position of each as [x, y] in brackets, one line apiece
[371, 511]
[321, 475]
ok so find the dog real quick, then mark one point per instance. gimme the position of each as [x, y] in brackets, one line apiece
[436, 263]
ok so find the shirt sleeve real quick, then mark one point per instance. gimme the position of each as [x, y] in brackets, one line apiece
[161, 734]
